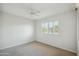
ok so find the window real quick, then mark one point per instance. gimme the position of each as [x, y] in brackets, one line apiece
[50, 27]
[45, 27]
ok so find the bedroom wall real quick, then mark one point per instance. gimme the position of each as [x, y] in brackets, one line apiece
[15, 30]
[67, 37]
[78, 30]
[0, 30]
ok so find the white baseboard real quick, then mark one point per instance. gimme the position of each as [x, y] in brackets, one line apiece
[57, 46]
[15, 44]
[41, 42]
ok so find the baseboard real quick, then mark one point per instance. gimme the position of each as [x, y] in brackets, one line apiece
[57, 47]
[40, 42]
[15, 45]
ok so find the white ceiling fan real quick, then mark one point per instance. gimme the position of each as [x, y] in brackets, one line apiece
[33, 12]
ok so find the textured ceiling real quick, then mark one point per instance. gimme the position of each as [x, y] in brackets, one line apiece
[46, 9]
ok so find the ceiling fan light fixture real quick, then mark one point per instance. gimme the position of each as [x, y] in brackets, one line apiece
[33, 12]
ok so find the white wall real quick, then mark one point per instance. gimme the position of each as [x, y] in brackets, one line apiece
[78, 30]
[0, 30]
[67, 37]
[16, 30]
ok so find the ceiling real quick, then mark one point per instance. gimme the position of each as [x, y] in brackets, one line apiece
[35, 11]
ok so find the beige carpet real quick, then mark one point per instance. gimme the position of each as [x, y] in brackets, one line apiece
[35, 49]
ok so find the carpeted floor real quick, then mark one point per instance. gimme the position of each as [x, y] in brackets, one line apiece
[35, 49]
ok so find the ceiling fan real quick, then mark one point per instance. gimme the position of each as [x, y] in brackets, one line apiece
[33, 12]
